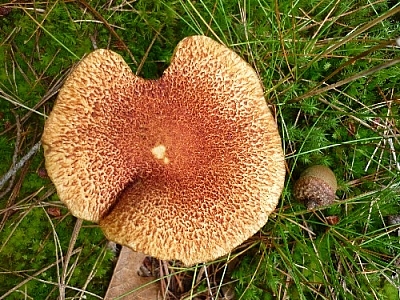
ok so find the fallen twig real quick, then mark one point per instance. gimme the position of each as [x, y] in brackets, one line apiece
[15, 155]
[19, 164]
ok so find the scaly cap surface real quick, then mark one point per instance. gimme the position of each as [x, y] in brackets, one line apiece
[184, 167]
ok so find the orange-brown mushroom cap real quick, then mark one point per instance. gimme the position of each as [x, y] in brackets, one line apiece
[184, 167]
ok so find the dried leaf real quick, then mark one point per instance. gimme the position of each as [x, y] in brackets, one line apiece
[126, 279]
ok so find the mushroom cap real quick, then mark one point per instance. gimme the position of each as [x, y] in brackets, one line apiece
[184, 167]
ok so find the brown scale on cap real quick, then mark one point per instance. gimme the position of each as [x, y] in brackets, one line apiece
[184, 167]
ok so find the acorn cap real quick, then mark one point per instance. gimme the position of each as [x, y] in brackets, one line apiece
[185, 167]
[316, 186]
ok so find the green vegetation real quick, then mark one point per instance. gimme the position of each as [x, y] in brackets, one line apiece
[331, 75]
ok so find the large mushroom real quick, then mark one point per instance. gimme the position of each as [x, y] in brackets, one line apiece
[185, 167]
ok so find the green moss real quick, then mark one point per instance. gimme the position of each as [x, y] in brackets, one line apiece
[33, 231]
[296, 47]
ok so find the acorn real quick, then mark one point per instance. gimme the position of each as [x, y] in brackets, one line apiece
[316, 187]
[393, 219]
